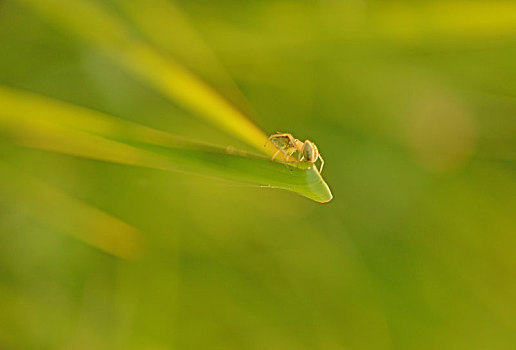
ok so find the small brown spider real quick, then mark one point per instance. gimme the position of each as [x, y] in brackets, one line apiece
[288, 145]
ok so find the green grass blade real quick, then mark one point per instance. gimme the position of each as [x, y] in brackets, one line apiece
[42, 123]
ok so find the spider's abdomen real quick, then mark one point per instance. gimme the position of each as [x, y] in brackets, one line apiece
[310, 152]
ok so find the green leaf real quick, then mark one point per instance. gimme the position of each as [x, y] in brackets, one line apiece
[42, 123]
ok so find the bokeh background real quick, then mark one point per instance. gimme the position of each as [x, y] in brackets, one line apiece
[412, 104]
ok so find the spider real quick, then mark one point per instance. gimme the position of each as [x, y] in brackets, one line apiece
[288, 145]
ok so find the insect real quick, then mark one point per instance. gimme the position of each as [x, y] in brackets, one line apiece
[288, 145]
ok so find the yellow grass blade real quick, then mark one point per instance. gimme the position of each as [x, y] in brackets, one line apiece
[161, 21]
[63, 213]
[408, 21]
[100, 29]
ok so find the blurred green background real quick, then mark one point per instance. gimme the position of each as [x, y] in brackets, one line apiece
[412, 104]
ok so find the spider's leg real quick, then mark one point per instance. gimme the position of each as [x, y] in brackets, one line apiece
[322, 163]
[289, 153]
[270, 138]
[275, 154]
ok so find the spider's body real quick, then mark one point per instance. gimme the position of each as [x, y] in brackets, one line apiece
[288, 145]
